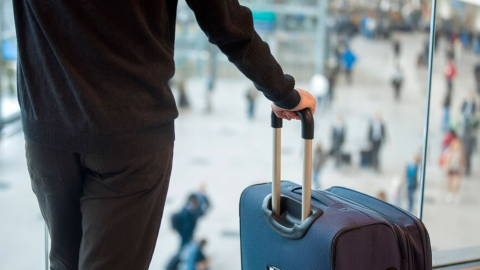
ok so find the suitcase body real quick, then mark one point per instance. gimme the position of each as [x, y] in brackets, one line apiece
[286, 227]
[344, 236]
[412, 235]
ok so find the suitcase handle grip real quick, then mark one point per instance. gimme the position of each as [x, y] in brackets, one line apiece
[306, 118]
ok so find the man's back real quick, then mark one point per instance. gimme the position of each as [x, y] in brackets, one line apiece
[97, 66]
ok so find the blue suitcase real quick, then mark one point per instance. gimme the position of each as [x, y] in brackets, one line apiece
[286, 227]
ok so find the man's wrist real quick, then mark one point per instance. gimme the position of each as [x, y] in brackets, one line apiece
[290, 102]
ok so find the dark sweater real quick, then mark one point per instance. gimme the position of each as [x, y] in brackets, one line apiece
[93, 75]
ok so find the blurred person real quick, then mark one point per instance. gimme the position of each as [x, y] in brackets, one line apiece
[183, 102]
[468, 110]
[202, 199]
[476, 44]
[381, 196]
[469, 142]
[411, 176]
[476, 75]
[332, 80]
[424, 54]
[376, 136]
[348, 60]
[396, 47]
[319, 159]
[338, 139]
[450, 72]
[184, 223]
[447, 101]
[192, 256]
[319, 89]
[251, 97]
[98, 114]
[458, 50]
[395, 191]
[455, 167]
[450, 136]
[469, 138]
[397, 81]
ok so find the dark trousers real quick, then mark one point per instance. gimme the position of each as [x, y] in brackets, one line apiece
[348, 74]
[468, 163]
[102, 213]
[376, 145]
[411, 193]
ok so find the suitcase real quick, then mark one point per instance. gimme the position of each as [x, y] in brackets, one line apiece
[366, 158]
[286, 227]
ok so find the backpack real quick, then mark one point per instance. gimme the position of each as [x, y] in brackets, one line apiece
[176, 221]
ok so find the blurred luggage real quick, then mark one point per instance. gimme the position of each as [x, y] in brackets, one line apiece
[346, 158]
[366, 158]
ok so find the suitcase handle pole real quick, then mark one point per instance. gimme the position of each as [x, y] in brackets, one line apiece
[307, 134]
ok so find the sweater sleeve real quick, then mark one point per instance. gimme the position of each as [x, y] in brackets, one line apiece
[229, 25]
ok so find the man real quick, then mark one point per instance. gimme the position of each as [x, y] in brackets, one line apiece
[376, 136]
[98, 115]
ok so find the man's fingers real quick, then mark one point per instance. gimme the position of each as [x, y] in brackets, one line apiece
[281, 114]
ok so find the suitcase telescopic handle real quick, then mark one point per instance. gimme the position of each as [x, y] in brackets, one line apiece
[306, 118]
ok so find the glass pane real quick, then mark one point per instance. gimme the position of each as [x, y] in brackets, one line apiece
[225, 143]
[451, 200]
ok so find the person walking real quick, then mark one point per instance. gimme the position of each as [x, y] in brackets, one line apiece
[447, 101]
[349, 59]
[469, 108]
[251, 97]
[202, 199]
[450, 72]
[455, 167]
[476, 75]
[469, 140]
[183, 102]
[184, 223]
[376, 136]
[319, 159]
[332, 80]
[396, 47]
[411, 176]
[397, 81]
[338, 139]
[98, 115]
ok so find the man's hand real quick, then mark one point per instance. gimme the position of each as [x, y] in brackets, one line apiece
[306, 101]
